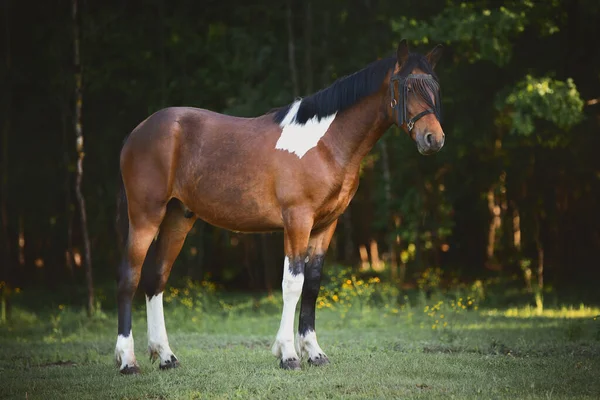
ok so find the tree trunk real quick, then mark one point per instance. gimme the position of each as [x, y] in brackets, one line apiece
[323, 58]
[516, 228]
[492, 228]
[247, 244]
[376, 262]
[21, 243]
[348, 242]
[308, 71]
[80, 155]
[393, 239]
[364, 258]
[267, 261]
[539, 296]
[68, 204]
[495, 223]
[292, 51]
[5, 273]
[161, 41]
[196, 264]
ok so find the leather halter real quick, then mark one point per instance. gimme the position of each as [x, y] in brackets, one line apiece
[399, 103]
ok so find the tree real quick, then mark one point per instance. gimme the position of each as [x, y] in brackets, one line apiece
[87, 256]
[5, 280]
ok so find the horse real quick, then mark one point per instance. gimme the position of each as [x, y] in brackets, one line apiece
[295, 169]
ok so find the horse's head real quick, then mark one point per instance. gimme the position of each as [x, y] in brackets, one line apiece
[415, 97]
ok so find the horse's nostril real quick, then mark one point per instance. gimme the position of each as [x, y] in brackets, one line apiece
[429, 139]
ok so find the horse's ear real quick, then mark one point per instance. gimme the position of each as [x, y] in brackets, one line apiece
[434, 55]
[402, 52]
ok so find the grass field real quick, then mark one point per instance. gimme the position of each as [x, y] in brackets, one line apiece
[434, 350]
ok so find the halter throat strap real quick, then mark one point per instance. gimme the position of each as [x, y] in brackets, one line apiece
[411, 122]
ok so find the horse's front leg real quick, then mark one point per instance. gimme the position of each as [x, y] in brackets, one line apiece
[297, 227]
[307, 338]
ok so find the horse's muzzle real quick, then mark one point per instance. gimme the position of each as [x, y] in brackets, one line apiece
[429, 143]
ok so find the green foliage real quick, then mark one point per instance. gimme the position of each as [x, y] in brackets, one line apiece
[197, 296]
[430, 279]
[511, 66]
[343, 290]
[446, 316]
[482, 30]
[544, 98]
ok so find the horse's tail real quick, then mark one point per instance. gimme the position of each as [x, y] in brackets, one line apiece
[122, 214]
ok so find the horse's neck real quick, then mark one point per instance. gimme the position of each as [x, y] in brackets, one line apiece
[358, 129]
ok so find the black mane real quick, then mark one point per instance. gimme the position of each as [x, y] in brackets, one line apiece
[342, 94]
[349, 89]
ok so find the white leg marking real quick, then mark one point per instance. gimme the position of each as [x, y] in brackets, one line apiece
[298, 138]
[308, 346]
[283, 347]
[158, 343]
[124, 351]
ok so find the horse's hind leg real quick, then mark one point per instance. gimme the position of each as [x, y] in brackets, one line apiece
[143, 226]
[155, 273]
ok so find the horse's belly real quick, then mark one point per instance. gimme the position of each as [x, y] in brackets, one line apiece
[244, 222]
[236, 212]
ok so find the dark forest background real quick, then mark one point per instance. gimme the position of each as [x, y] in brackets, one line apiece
[513, 196]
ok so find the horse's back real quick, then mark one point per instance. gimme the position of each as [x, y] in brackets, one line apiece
[167, 129]
[205, 158]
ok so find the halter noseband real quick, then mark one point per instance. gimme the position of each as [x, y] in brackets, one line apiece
[400, 104]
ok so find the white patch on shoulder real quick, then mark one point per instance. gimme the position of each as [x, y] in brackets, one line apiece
[298, 138]
[124, 354]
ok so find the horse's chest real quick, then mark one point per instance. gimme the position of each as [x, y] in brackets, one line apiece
[338, 201]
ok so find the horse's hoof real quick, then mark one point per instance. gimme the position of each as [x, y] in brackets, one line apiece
[321, 359]
[172, 363]
[133, 370]
[290, 363]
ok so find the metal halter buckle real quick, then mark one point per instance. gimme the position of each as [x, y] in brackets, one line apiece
[410, 125]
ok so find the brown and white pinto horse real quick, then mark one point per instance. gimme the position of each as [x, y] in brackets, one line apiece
[294, 169]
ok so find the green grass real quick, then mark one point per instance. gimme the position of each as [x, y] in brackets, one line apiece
[376, 353]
